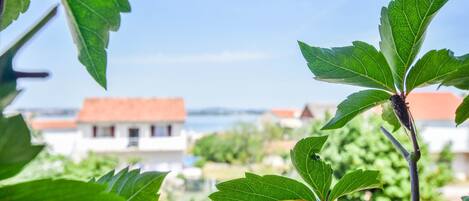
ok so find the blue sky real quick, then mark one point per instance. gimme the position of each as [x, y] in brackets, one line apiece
[240, 54]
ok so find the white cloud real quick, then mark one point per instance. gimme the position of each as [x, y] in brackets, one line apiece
[219, 57]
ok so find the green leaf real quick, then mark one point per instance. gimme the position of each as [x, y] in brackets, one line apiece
[312, 169]
[265, 188]
[56, 190]
[432, 68]
[8, 93]
[90, 23]
[360, 65]
[355, 104]
[465, 198]
[462, 113]
[133, 185]
[403, 27]
[7, 74]
[10, 10]
[355, 181]
[460, 78]
[15, 146]
[389, 116]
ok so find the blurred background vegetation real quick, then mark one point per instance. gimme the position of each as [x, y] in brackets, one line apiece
[360, 144]
[265, 150]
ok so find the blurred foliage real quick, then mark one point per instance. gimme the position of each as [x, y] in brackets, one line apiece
[242, 144]
[360, 144]
[239, 145]
[48, 165]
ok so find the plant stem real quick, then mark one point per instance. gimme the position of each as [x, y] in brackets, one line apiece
[396, 143]
[414, 177]
[20, 74]
[413, 169]
[411, 159]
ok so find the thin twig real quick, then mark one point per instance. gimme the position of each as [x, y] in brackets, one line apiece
[396, 143]
[19, 74]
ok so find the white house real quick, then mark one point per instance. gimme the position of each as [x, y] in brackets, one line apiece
[149, 129]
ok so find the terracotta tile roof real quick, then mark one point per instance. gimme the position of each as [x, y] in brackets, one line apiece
[285, 113]
[132, 110]
[433, 106]
[53, 124]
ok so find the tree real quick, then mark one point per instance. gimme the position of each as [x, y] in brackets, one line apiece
[242, 144]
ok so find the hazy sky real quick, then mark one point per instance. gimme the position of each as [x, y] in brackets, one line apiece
[239, 53]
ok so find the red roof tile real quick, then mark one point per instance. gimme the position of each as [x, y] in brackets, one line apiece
[53, 124]
[132, 110]
[433, 106]
[285, 113]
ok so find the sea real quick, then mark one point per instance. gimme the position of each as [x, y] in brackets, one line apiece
[214, 123]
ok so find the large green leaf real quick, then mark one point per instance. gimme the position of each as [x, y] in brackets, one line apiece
[460, 78]
[133, 185]
[465, 198]
[317, 173]
[355, 181]
[10, 10]
[90, 22]
[15, 146]
[355, 104]
[462, 113]
[432, 68]
[403, 27]
[360, 65]
[56, 190]
[389, 116]
[265, 188]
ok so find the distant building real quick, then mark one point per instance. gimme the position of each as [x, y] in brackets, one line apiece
[288, 118]
[317, 111]
[147, 129]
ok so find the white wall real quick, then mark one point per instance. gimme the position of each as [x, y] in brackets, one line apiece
[438, 134]
[437, 137]
[122, 129]
[63, 142]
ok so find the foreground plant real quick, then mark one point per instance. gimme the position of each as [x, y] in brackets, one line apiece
[90, 22]
[16, 150]
[392, 72]
[314, 171]
[359, 145]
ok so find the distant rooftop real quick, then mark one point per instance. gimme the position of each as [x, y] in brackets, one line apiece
[285, 113]
[132, 110]
[433, 105]
[53, 124]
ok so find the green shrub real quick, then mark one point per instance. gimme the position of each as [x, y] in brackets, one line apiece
[360, 144]
[240, 145]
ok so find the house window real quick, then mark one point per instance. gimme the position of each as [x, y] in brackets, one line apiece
[103, 131]
[161, 131]
[133, 137]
